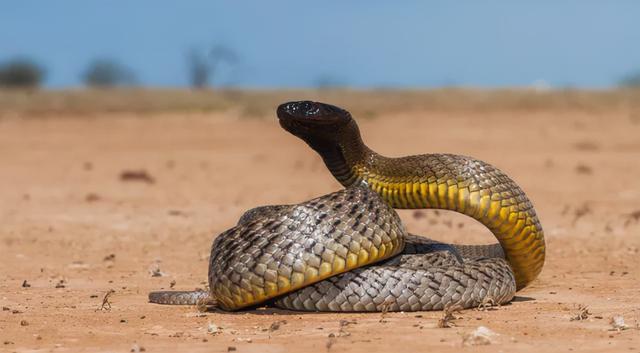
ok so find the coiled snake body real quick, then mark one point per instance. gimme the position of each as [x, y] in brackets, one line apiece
[348, 251]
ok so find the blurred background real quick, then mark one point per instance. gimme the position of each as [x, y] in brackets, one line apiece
[289, 44]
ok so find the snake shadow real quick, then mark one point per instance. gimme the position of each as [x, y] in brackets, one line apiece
[519, 298]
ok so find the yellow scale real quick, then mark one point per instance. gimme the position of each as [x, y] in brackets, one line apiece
[512, 227]
[237, 297]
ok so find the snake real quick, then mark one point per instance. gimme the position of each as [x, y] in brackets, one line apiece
[348, 251]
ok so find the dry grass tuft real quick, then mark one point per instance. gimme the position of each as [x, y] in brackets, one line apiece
[582, 314]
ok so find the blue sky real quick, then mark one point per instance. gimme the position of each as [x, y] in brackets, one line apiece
[359, 43]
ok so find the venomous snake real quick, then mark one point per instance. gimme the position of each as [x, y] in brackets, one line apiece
[349, 251]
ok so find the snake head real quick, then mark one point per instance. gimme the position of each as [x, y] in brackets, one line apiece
[307, 119]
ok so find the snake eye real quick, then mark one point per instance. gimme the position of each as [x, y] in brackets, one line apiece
[302, 109]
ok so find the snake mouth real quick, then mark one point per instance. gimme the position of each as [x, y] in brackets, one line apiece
[308, 113]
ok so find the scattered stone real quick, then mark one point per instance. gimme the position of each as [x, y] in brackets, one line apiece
[92, 197]
[276, 325]
[61, 284]
[137, 175]
[419, 215]
[580, 212]
[584, 169]
[172, 283]
[25, 284]
[213, 329]
[196, 314]
[617, 323]
[24, 323]
[633, 217]
[154, 271]
[330, 341]
[231, 349]
[78, 265]
[479, 337]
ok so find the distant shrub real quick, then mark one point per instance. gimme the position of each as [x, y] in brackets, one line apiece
[108, 73]
[199, 69]
[631, 80]
[203, 67]
[21, 73]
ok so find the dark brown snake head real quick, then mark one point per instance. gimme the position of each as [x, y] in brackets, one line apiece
[313, 120]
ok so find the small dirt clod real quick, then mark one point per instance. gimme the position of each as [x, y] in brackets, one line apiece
[137, 175]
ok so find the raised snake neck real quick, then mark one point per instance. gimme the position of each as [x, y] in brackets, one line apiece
[439, 181]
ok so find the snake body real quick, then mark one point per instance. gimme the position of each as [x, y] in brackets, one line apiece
[348, 251]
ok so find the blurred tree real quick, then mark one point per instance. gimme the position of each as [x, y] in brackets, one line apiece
[198, 69]
[631, 80]
[203, 67]
[108, 73]
[21, 73]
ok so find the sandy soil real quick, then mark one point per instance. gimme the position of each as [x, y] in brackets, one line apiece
[72, 229]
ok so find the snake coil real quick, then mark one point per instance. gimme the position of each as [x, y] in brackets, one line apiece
[348, 251]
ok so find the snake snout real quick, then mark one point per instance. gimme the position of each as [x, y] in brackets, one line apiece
[312, 112]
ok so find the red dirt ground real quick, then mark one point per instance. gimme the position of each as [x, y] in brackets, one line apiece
[73, 230]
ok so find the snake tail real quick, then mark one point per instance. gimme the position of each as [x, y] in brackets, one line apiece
[195, 297]
[439, 181]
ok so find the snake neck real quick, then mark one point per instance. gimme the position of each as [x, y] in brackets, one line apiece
[345, 154]
[443, 181]
[351, 162]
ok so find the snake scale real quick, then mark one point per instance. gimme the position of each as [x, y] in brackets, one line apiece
[349, 251]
